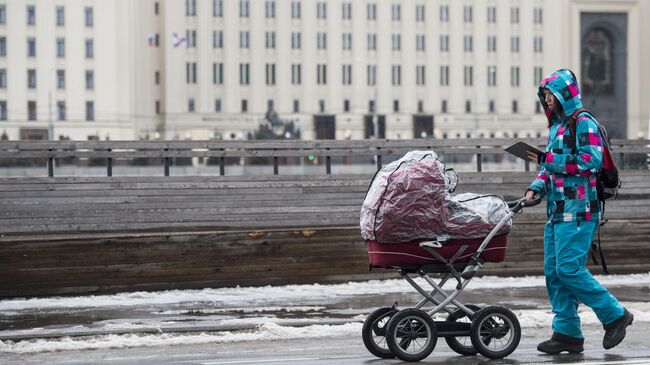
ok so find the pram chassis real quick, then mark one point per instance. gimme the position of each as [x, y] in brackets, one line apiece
[396, 321]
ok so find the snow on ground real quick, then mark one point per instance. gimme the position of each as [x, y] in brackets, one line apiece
[268, 331]
[255, 296]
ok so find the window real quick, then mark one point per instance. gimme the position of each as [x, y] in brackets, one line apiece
[244, 105]
[514, 76]
[295, 9]
[190, 105]
[491, 106]
[346, 11]
[515, 106]
[538, 15]
[190, 72]
[444, 43]
[420, 78]
[420, 42]
[244, 39]
[443, 106]
[3, 14]
[467, 14]
[243, 8]
[157, 107]
[346, 105]
[396, 42]
[468, 106]
[31, 110]
[270, 40]
[514, 44]
[269, 105]
[492, 43]
[371, 106]
[90, 110]
[217, 8]
[539, 45]
[347, 41]
[347, 74]
[537, 76]
[270, 74]
[31, 79]
[31, 47]
[295, 40]
[321, 74]
[444, 75]
[60, 79]
[217, 73]
[3, 78]
[157, 77]
[514, 15]
[60, 16]
[3, 46]
[60, 47]
[321, 10]
[321, 40]
[420, 106]
[190, 36]
[444, 13]
[419, 13]
[296, 74]
[491, 14]
[468, 43]
[244, 73]
[3, 110]
[31, 15]
[372, 41]
[371, 75]
[396, 75]
[90, 52]
[467, 76]
[396, 12]
[321, 106]
[395, 106]
[90, 80]
[372, 11]
[492, 75]
[296, 106]
[88, 16]
[538, 107]
[60, 110]
[190, 7]
[217, 39]
[269, 8]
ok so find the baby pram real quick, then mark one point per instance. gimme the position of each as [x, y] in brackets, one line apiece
[411, 223]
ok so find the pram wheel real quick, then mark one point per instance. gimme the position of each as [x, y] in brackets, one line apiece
[411, 334]
[461, 344]
[374, 332]
[495, 332]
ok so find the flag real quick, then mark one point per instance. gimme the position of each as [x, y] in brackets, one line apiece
[178, 41]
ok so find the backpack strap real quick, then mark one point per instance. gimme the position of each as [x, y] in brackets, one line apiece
[573, 123]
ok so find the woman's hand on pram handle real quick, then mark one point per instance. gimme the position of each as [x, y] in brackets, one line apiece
[530, 199]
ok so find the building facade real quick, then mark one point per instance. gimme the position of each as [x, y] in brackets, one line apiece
[213, 69]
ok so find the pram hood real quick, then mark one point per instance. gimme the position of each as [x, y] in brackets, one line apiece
[411, 199]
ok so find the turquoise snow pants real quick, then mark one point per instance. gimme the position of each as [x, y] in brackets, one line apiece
[569, 282]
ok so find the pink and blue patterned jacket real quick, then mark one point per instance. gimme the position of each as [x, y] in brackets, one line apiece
[568, 172]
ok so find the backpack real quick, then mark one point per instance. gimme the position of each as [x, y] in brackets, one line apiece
[607, 180]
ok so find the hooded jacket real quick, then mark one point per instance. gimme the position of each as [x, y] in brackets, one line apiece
[568, 171]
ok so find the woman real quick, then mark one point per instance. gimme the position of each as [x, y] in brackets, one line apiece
[568, 178]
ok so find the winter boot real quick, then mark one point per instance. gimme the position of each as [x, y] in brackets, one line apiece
[559, 343]
[615, 331]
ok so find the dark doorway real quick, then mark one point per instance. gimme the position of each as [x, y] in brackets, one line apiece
[369, 127]
[604, 69]
[423, 126]
[325, 126]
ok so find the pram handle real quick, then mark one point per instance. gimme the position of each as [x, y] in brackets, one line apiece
[517, 205]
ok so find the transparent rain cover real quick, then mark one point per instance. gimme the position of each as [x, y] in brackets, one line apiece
[411, 199]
